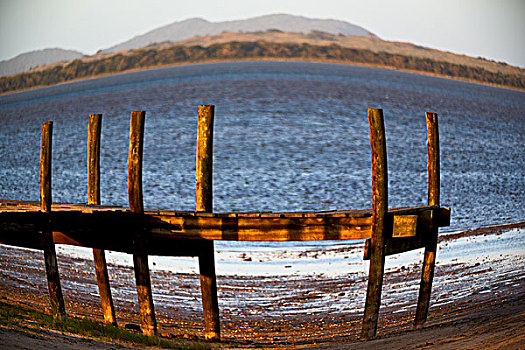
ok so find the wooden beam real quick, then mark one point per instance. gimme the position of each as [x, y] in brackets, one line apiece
[204, 201]
[262, 228]
[109, 228]
[53, 278]
[429, 260]
[379, 222]
[140, 256]
[102, 230]
[99, 257]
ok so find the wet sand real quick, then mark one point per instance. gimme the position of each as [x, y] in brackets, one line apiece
[477, 302]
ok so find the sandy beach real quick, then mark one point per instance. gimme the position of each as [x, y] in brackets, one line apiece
[477, 299]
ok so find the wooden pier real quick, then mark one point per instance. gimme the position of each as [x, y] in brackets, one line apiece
[143, 232]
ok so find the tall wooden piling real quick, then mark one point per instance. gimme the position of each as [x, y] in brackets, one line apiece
[53, 278]
[204, 191]
[140, 257]
[46, 145]
[379, 222]
[99, 257]
[93, 158]
[429, 261]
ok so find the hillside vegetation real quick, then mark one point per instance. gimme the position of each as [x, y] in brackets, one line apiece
[169, 54]
[371, 43]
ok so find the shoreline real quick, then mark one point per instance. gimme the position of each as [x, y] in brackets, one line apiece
[306, 311]
[211, 61]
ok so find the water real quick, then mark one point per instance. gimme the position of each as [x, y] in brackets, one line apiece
[288, 136]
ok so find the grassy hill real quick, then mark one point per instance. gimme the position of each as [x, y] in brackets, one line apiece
[276, 45]
[371, 43]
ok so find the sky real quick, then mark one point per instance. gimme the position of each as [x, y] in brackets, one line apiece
[493, 29]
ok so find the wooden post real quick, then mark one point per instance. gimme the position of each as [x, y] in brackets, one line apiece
[140, 257]
[379, 222]
[429, 261]
[204, 187]
[93, 160]
[56, 298]
[204, 166]
[99, 257]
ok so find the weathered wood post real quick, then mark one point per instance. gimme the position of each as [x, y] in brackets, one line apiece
[53, 278]
[99, 257]
[140, 257]
[379, 222]
[204, 190]
[429, 261]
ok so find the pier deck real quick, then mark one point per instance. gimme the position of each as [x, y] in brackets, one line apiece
[113, 228]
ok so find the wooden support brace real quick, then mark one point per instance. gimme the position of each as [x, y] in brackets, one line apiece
[140, 257]
[379, 222]
[429, 260]
[56, 298]
[99, 257]
[204, 193]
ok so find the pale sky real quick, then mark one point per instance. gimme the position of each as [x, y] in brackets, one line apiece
[494, 29]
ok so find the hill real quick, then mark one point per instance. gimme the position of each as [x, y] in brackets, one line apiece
[29, 60]
[199, 27]
[371, 43]
[169, 54]
[276, 45]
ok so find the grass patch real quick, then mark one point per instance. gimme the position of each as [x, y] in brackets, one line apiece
[22, 318]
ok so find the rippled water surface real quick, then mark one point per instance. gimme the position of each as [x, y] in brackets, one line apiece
[288, 136]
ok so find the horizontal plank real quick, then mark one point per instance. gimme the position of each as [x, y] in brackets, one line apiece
[117, 231]
[255, 228]
[20, 205]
